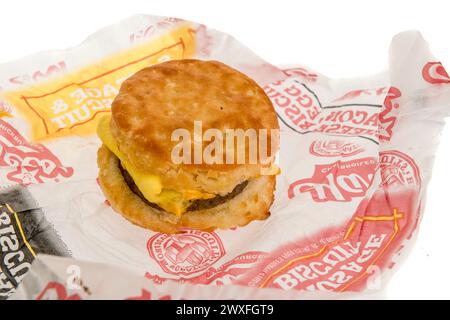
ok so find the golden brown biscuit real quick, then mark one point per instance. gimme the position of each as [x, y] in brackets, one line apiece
[252, 203]
[157, 100]
[138, 174]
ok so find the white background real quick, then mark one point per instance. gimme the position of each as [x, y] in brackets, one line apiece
[336, 38]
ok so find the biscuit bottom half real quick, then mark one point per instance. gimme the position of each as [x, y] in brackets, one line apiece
[249, 201]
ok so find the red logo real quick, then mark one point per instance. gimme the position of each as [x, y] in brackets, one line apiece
[354, 94]
[299, 108]
[27, 163]
[398, 169]
[339, 181]
[186, 253]
[302, 72]
[334, 148]
[434, 72]
[37, 75]
[228, 273]
[151, 29]
[351, 256]
[56, 291]
[386, 118]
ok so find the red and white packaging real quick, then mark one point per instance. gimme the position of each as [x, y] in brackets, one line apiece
[356, 157]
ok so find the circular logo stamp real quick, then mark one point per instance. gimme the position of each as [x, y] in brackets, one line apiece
[186, 253]
[398, 169]
[334, 148]
[434, 72]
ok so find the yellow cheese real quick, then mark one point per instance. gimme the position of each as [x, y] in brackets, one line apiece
[149, 185]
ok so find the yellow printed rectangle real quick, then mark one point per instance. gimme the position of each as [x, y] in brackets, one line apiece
[70, 104]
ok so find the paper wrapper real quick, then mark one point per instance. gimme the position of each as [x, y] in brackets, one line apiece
[356, 157]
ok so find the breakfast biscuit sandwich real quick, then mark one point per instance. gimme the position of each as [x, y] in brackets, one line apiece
[159, 171]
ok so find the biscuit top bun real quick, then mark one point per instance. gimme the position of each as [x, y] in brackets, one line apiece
[159, 99]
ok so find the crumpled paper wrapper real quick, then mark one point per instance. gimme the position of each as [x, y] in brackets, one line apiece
[356, 157]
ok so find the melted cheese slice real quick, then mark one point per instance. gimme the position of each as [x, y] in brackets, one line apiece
[150, 185]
